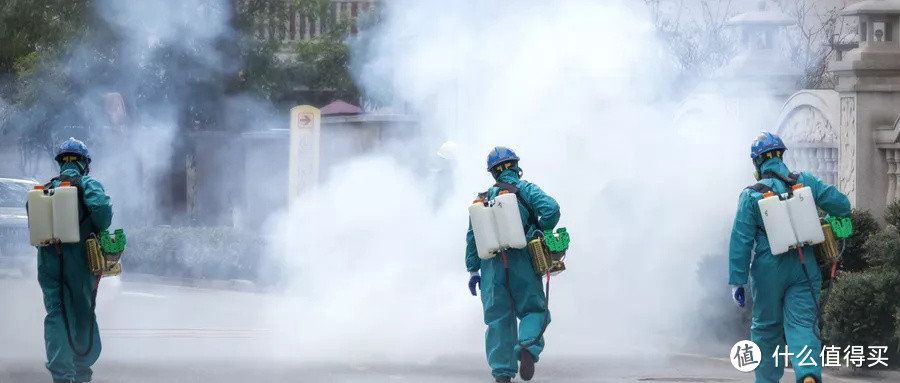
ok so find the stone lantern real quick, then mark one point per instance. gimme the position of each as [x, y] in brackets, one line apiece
[762, 64]
[760, 76]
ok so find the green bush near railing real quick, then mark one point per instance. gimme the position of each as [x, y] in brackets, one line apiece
[214, 253]
[864, 306]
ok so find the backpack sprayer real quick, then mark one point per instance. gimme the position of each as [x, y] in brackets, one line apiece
[104, 251]
[53, 218]
[548, 251]
[497, 226]
[825, 252]
[791, 221]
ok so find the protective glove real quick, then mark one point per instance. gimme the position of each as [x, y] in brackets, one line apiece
[737, 294]
[474, 279]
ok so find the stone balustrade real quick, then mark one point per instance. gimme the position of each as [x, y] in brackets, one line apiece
[892, 157]
[301, 27]
[820, 161]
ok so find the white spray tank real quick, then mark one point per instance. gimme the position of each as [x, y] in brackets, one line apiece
[509, 221]
[40, 216]
[777, 223]
[792, 220]
[484, 228]
[805, 216]
[65, 214]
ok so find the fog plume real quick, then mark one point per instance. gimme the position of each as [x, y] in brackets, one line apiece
[579, 89]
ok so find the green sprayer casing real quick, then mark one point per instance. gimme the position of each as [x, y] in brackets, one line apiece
[113, 244]
[842, 227]
[557, 242]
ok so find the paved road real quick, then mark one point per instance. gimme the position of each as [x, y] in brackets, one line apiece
[157, 333]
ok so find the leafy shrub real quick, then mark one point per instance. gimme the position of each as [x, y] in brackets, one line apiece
[195, 252]
[860, 310]
[882, 250]
[892, 214]
[864, 226]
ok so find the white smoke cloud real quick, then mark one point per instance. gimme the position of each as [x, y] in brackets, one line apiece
[578, 89]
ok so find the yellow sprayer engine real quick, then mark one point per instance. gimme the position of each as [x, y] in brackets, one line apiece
[104, 252]
[548, 251]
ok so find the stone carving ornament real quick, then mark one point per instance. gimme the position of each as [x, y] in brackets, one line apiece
[808, 125]
[847, 172]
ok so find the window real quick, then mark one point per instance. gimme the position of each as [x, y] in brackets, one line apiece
[878, 29]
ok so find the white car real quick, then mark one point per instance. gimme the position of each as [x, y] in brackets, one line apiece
[14, 244]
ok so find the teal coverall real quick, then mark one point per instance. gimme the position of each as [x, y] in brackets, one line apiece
[527, 291]
[62, 362]
[783, 307]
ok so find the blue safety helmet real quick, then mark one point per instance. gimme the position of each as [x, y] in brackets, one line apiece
[499, 155]
[75, 147]
[766, 143]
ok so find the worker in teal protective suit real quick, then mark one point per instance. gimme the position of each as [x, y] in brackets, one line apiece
[68, 276]
[503, 351]
[783, 306]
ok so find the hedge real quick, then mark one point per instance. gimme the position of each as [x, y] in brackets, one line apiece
[882, 250]
[218, 253]
[861, 309]
[892, 214]
[864, 307]
[864, 226]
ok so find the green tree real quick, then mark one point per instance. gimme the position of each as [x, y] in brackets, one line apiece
[316, 70]
[33, 33]
[323, 63]
[28, 27]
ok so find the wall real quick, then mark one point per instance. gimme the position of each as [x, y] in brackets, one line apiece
[265, 157]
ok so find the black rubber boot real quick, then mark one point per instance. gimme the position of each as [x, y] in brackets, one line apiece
[526, 365]
[502, 379]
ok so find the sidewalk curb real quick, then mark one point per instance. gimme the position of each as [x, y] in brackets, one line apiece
[867, 375]
[230, 284]
[839, 375]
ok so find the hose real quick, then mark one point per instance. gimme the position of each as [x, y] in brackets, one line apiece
[820, 306]
[65, 315]
[512, 307]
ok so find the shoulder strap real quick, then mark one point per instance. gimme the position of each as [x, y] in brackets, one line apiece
[760, 188]
[532, 218]
[789, 180]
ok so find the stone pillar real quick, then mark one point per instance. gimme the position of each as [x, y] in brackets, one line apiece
[868, 81]
[190, 171]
